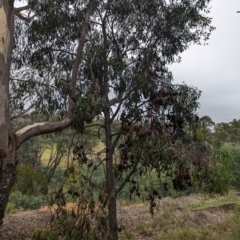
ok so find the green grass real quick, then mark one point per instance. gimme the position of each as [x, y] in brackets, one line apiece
[228, 202]
[128, 234]
[179, 234]
[144, 229]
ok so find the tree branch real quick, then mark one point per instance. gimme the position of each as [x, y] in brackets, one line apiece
[80, 51]
[61, 50]
[23, 8]
[41, 128]
[116, 100]
[115, 142]
[134, 169]
[116, 111]
[27, 19]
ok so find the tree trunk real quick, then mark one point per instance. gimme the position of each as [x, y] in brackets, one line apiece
[110, 185]
[7, 138]
[112, 207]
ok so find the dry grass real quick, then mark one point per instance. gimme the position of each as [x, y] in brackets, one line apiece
[192, 217]
[179, 219]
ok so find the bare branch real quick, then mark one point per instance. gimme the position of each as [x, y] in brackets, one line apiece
[41, 128]
[27, 19]
[119, 134]
[116, 100]
[134, 169]
[23, 8]
[80, 51]
[21, 16]
[116, 111]
[61, 50]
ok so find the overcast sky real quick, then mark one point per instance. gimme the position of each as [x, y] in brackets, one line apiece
[215, 69]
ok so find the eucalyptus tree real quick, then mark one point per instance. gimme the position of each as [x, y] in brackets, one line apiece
[107, 57]
[126, 55]
[228, 132]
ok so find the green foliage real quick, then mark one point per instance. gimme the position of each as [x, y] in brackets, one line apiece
[30, 182]
[145, 185]
[235, 153]
[142, 57]
[45, 235]
[228, 132]
[20, 200]
[180, 234]
[57, 179]
[11, 208]
[144, 230]
[29, 153]
[128, 235]
[231, 225]
[235, 233]
[217, 176]
[31, 150]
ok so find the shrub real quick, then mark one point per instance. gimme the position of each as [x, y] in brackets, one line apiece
[11, 208]
[19, 200]
[235, 152]
[217, 177]
[75, 225]
[30, 182]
